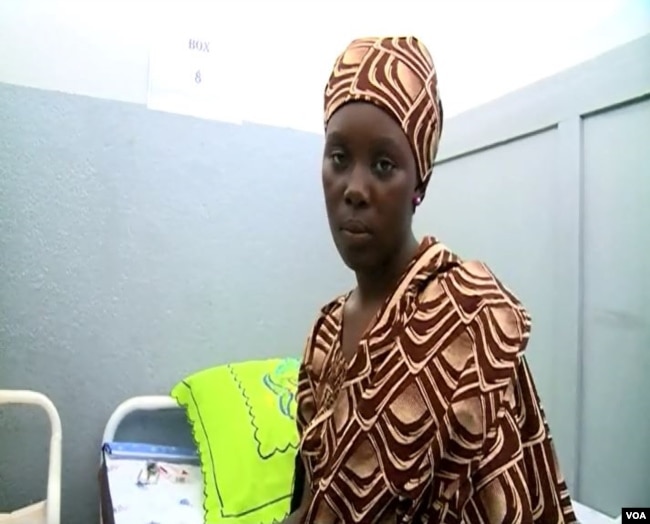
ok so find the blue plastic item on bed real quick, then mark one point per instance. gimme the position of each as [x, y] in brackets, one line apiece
[138, 450]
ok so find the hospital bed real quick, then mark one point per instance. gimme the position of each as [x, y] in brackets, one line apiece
[117, 489]
[142, 482]
[47, 511]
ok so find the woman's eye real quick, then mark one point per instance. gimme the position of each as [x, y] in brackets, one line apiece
[337, 158]
[384, 166]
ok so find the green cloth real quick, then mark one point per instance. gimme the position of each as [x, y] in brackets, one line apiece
[243, 419]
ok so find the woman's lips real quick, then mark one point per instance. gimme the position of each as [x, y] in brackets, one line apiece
[355, 227]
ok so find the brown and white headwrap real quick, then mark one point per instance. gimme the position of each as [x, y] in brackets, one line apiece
[397, 75]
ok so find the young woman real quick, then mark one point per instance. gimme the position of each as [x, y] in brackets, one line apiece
[415, 403]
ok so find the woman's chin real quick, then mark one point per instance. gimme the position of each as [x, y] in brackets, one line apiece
[359, 261]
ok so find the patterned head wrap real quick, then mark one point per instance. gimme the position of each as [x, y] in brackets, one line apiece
[396, 74]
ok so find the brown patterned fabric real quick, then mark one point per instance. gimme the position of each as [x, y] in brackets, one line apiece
[397, 74]
[436, 419]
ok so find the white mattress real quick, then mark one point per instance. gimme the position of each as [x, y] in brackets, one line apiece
[587, 515]
[173, 494]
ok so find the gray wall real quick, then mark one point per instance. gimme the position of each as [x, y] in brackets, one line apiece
[136, 247]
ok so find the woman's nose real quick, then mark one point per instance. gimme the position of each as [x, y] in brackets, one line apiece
[356, 192]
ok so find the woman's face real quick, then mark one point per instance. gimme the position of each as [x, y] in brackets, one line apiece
[369, 181]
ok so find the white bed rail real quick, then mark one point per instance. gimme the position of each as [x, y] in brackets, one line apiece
[48, 511]
[144, 403]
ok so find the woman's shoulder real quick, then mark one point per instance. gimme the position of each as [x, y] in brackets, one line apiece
[333, 306]
[330, 315]
[324, 328]
[474, 285]
[484, 304]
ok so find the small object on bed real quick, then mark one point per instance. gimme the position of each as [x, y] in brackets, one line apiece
[175, 474]
[148, 475]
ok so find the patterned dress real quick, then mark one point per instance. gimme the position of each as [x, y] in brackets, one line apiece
[436, 418]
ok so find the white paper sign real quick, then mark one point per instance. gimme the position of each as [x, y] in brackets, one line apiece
[191, 73]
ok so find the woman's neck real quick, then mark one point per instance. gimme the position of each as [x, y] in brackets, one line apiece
[374, 286]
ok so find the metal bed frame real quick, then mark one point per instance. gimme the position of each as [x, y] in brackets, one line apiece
[47, 511]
